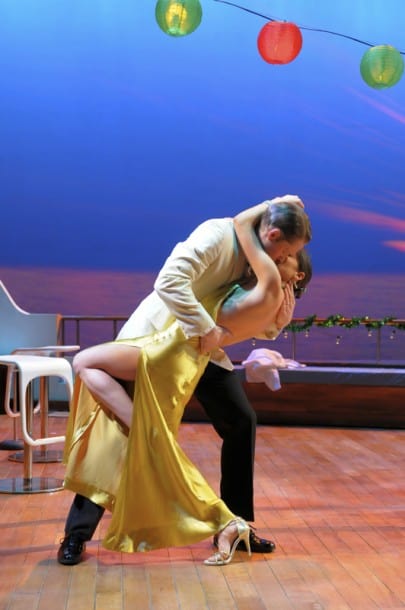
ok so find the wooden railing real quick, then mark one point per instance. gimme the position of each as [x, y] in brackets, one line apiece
[78, 321]
[372, 325]
[82, 330]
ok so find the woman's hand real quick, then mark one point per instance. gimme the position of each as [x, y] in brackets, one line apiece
[286, 311]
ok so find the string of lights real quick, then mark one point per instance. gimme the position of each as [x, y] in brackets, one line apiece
[337, 320]
[280, 42]
[302, 27]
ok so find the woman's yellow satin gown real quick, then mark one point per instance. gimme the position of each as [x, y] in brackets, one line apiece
[156, 495]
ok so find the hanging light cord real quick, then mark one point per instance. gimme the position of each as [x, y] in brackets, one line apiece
[248, 10]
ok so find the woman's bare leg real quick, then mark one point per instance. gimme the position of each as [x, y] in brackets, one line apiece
[97, 366]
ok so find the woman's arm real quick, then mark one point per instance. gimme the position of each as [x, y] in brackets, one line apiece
[254, 309]
[262, 265]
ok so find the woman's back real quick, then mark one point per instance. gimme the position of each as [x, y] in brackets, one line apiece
[249, 312]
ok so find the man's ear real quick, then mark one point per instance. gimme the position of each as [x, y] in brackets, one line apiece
[299, 276]
[274, 234]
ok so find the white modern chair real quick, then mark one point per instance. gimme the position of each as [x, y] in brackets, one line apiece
[29, 350]
[28, 368]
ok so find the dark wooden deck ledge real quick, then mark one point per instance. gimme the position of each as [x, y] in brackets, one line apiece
[352, 396]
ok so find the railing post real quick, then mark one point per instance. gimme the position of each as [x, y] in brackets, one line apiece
[77, 326]
[378, 346]
[294, 346]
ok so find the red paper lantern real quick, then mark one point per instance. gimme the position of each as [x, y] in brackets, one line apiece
[279, 42]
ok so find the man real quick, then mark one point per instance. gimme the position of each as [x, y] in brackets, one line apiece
[209, 259]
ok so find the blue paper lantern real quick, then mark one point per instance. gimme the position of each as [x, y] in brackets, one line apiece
[178, 17]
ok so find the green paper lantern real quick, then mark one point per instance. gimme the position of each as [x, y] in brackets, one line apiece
[382, 66]
[178, 17]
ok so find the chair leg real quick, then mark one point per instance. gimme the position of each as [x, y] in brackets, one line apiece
[43, 455]
[27, 448]
[15, 443]
[29, 484]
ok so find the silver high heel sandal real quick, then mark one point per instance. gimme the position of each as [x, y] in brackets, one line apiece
[221, 558]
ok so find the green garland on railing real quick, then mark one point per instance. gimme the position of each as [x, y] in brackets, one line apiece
[342, 322]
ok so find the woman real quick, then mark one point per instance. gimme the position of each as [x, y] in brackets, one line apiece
[157, 496]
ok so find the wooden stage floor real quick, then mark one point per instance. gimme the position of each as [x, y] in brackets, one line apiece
[332, 499]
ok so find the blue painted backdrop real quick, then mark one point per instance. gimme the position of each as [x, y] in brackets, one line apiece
[116, 139]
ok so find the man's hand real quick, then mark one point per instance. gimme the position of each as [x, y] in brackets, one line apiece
[286, 311]
[213, 339]
[288, 199]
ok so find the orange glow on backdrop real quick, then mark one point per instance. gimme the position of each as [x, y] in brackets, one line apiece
[396, 245]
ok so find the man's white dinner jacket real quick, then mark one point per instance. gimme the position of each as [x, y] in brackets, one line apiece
[207, 260]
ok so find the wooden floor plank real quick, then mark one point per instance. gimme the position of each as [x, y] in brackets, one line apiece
[350, 590]
[108, 594]
[269, 590]
[81, 585]
[242, 587]
[217, 592]
[186, 579]
[332, 499]
[371, 582]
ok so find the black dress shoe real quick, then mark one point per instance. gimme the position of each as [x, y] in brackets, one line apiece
[71, 550]
[257, 545]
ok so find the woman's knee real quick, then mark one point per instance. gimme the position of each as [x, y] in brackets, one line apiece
[77, 363]
[114, 359]
[83, 360]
